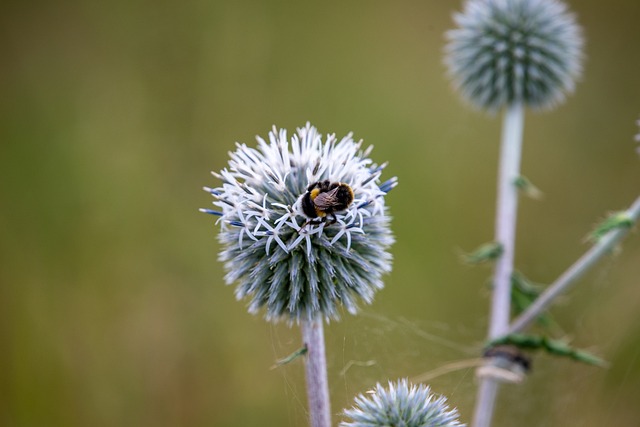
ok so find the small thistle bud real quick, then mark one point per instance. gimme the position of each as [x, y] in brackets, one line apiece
[401, 404]
[300, 267]
[514, 51]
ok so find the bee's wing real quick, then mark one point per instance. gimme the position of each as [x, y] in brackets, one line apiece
[326, 200]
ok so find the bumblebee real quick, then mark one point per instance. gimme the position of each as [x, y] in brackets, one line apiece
[324, 198]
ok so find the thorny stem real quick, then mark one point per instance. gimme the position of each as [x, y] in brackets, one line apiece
[575, 272]
[316, 373]
[506, 213]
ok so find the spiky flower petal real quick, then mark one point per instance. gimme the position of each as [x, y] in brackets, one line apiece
[509, 51]
[300, 270]
[401, 405]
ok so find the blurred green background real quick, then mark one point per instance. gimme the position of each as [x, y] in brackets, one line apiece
[113, 310]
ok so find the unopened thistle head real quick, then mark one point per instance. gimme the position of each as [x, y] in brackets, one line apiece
[296, 268]
[514, 51]
[401, 404]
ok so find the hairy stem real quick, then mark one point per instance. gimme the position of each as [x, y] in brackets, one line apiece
[574, 273]
[506, 213]
[487, 393]
[316, 373]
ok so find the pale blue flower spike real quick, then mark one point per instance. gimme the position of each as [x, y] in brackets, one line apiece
[295, 269]
[514, 51]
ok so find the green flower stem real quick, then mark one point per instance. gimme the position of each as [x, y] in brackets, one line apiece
[575, 272]
[316, 373]
[506, 214]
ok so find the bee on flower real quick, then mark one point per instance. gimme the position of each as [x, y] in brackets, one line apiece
[304, 227]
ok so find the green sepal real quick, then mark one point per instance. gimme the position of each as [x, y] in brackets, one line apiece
[523, 293]
[485, 253]
[527, 188]
[615, 220]
[290, 358]
[554, 347]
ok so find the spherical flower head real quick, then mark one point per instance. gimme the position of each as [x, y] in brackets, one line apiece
[401, 405]
[514, 51]
[300, 268]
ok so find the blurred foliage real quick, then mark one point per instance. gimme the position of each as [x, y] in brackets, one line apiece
[112, 306]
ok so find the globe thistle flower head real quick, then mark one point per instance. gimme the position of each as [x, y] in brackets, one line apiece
[514, 51]
[401, 405]
[299, 269]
